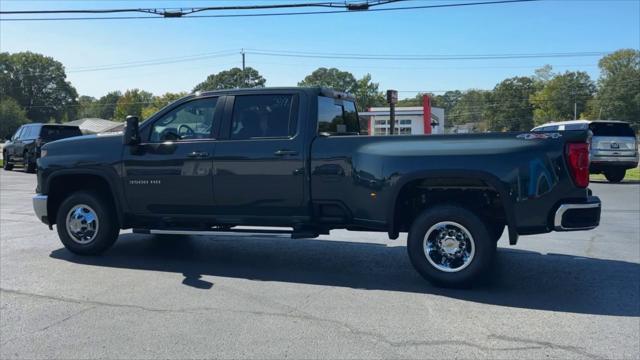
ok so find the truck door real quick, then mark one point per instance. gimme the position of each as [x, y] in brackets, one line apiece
[18, 145]
[259, 167]
[169, 173]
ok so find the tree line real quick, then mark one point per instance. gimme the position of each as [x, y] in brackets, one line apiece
[34, 88]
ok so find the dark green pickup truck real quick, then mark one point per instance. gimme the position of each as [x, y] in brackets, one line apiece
[293, 158]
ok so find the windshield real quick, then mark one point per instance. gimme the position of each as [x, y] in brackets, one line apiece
[50, 133]
[611, 129]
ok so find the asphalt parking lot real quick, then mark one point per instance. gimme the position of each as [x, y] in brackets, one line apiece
[346, 295]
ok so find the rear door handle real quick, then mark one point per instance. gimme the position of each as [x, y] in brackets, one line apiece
[284, 152]
[198, 154]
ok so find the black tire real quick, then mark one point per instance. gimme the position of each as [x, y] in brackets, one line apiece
[29, 165]
[107, 229]
[6, 164]
[615, 175]
[481, 239]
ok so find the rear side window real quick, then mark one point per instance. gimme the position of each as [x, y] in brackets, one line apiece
[264, 116]
[337, 117]
[575, 127]
[611, 129]
[50, 133]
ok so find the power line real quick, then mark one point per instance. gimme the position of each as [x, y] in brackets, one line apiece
[424, 57]
[178, 12]
[344, 11]
[149, 63]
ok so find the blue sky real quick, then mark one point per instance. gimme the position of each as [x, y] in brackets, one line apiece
[536, 27]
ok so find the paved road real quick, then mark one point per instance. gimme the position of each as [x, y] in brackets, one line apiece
[347, 295]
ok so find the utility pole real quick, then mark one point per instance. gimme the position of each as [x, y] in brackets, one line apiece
[392, 99]
[242, 52]
[575, 110]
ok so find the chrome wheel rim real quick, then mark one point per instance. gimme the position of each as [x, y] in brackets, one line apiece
[82, 224]
[449, 246]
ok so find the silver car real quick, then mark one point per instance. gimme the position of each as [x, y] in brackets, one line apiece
[614, 147]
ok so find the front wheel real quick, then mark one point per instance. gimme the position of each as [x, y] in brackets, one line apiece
[29, 164]
[450, 246]
[87, 223]
[615, 175]
[7, 165]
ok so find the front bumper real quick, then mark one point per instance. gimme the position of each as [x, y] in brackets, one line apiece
[578, 216]
[40, 207]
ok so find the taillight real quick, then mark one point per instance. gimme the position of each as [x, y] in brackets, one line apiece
[578, 161]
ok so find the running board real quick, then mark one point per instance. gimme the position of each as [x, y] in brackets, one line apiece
[244, 231]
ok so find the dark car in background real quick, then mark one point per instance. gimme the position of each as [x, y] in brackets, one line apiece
[614, 147]
[24, 146]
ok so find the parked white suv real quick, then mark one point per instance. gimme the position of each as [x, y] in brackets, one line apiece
[614, 147]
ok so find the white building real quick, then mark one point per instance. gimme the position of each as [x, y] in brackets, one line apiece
[413, 120]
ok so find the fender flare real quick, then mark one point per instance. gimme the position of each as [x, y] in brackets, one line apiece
[115, 190]
[488, 178]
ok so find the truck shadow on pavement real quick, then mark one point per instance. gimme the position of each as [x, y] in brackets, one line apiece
[520, 279]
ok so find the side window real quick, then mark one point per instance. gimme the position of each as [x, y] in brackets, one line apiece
[336, 117]
[574, 127]
[29, 133]
[264, 116]
[191, 120]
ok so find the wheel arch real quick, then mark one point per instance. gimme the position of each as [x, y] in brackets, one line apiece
[465, 175]
[63, 182]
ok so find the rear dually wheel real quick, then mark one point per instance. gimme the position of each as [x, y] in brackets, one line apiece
[450, 246]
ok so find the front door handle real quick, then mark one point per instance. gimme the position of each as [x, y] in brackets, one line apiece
[198, 154]
[284, 152]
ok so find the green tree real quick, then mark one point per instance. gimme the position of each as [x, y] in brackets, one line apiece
[107, 105]
[366, 91]
[543, 75]
[11, 116]
[132, 103]
[332, 78]
[38, 83]
[367, 94]
[470, 108]
[446, 101]
[232, 79]
[158, 102]
[510, 108]
[556, 100]
[413, 101]
[618, 95]
[88, 107]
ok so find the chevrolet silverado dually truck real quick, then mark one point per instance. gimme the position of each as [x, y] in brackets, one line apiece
[294, 158]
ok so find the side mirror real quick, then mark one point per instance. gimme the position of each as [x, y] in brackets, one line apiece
[131, 134]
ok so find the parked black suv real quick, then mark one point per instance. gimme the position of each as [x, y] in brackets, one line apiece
[24, 146]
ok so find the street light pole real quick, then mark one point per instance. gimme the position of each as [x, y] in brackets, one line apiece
[392, 99]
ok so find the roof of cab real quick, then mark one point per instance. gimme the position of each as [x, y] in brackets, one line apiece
[579, 122]
[317, 90]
